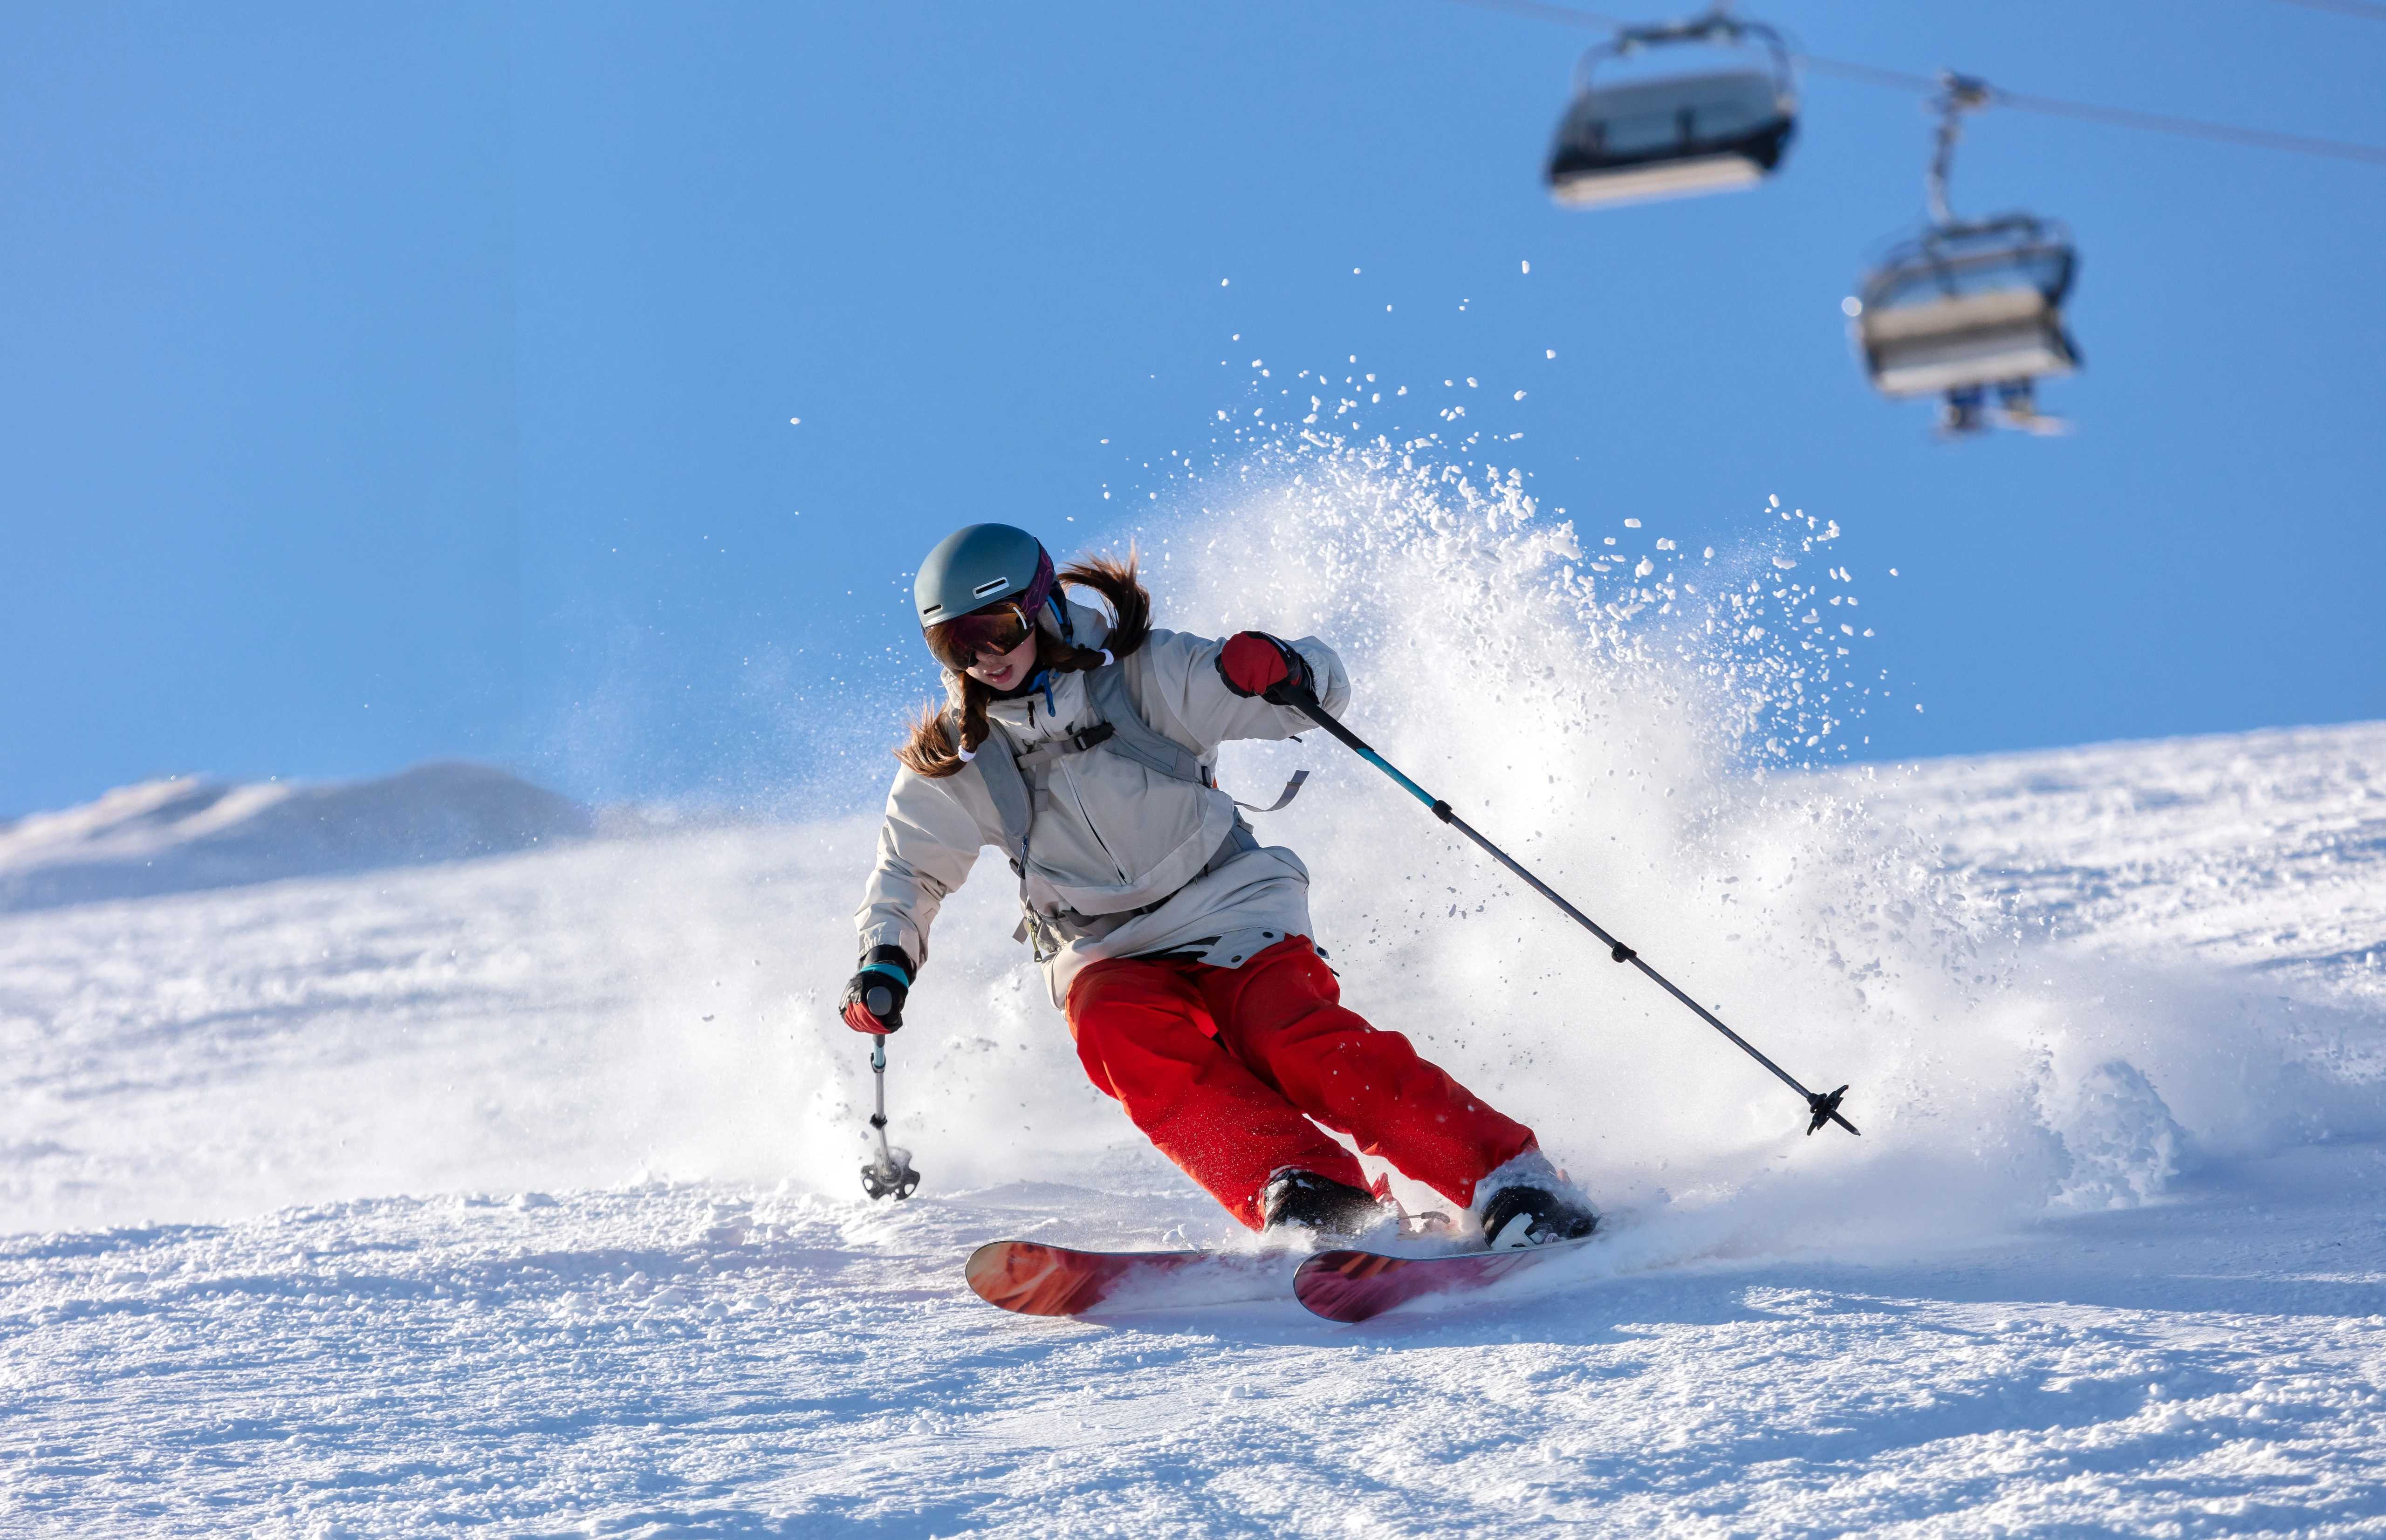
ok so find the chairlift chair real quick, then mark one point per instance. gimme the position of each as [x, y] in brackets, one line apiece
[1969, 308]
[1677, 135]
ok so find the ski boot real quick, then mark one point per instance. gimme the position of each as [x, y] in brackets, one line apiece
[1965, 410]
[1330, 1210]
[1529, 1202]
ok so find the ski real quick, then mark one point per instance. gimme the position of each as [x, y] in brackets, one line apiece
[1354, 1285]
[1035, 1279]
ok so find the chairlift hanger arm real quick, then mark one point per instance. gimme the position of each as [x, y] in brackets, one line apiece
[1957, 95]
[1718, 25]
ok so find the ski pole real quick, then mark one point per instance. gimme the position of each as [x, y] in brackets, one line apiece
[891, 1175]
[1824, 1109]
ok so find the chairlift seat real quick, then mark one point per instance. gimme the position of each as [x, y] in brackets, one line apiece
[1670, 138]
[1970, 340]
[1968, 306]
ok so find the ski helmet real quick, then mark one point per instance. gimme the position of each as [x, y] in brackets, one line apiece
[980, 565]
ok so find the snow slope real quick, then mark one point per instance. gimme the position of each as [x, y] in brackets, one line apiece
[520, 1192]
[180, 834]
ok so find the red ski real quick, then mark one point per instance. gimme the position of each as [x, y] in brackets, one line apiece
[1036, 1279]
[1354, 1285]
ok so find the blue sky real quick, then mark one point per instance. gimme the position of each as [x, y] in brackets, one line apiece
[388, 384]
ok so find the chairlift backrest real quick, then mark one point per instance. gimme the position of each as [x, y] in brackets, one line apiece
[1649, 117]
[2015, 253]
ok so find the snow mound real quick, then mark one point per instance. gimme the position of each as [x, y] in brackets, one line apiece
[184, 834]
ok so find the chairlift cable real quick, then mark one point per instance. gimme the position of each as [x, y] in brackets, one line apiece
[2053, 107]
[2193, 128]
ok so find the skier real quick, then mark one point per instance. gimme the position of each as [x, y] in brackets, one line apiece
[1177, 946]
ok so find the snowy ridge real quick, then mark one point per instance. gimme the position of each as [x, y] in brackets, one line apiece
[179, 835]
[521, 1193]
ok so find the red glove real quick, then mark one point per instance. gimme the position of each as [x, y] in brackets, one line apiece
[1253, 663]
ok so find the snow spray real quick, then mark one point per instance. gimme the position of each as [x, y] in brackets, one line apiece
[1642, 724]
[1650, 724]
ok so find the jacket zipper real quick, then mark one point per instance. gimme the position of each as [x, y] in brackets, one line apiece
[1076, 796]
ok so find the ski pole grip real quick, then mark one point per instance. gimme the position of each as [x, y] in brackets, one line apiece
[878, 1000]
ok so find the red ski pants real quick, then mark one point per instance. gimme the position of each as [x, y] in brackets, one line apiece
[1223, 1069]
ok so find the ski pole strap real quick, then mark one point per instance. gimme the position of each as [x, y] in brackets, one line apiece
[1291, 790]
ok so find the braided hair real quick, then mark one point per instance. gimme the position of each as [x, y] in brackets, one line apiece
[929, 748]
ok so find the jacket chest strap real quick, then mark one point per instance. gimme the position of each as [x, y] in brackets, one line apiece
[1074, 743]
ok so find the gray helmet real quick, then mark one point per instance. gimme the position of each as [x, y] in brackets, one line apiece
[979, 565]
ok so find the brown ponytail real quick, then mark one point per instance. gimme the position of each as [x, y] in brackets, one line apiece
[928, 748]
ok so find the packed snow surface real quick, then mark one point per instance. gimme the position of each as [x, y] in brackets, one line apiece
[521, 1193]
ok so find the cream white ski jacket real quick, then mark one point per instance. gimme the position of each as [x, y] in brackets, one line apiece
[1109, 837]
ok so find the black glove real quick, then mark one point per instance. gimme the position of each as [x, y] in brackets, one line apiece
[873, 997]
[1253, 663]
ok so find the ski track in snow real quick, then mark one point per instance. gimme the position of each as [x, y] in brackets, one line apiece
[754, 1353]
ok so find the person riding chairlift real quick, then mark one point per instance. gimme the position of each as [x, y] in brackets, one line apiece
[1083, 747]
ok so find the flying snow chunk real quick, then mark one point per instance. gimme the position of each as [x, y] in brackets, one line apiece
[2124, 1146]
[1528, 266]
[1785, 563]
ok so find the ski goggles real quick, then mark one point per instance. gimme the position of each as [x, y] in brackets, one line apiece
[962, 641]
